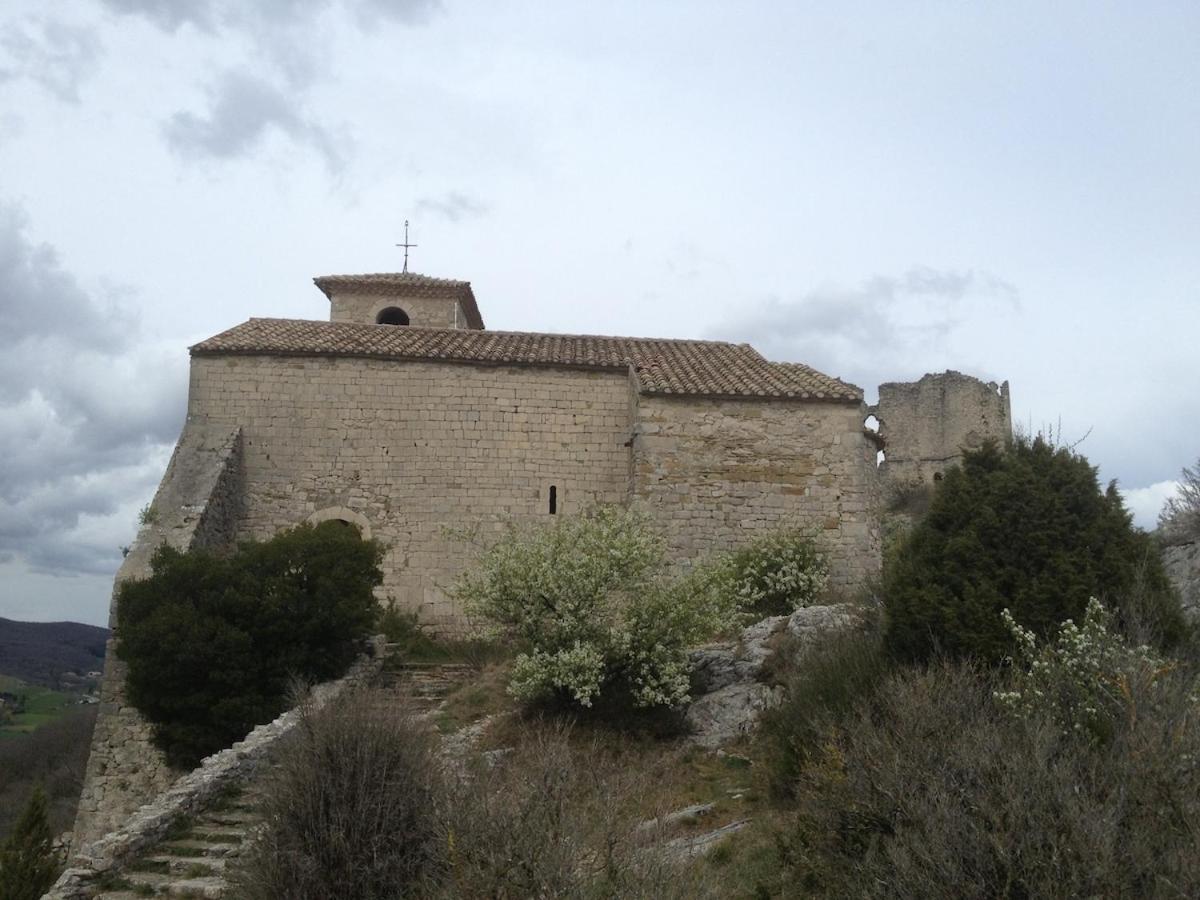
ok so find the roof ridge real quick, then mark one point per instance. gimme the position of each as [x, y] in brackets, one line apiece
[486, 331]
[665, 366]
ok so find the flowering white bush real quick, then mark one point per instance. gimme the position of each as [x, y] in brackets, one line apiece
[586, 596]
[1086, 680]
[779, 572]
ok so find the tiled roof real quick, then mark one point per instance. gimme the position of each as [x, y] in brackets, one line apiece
[697, 368]
[405, 284]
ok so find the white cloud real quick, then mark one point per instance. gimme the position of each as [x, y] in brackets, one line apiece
[1147, 502]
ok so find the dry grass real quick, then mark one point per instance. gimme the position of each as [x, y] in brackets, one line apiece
[362, 806]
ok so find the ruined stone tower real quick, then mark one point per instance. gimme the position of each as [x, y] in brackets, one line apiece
[926, 425]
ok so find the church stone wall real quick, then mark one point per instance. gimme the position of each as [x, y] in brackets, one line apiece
[416, 448]
[197, 505]
[714, 473]
[925, 425]
[426, 312]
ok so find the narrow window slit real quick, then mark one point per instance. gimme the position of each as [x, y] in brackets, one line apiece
[553, 499]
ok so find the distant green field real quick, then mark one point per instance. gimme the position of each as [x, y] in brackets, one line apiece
[42, 705]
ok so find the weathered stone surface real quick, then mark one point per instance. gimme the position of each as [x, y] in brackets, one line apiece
[730, 698]
[196, 505]
[728, 713]
[689, 846]
[714, 473]
[813, 624]
[925, 425]
[1182, 562]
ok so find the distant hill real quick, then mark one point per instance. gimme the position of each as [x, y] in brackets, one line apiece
[42, 652]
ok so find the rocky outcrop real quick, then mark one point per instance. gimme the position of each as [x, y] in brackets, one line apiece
[1182, 562]
[729, 695]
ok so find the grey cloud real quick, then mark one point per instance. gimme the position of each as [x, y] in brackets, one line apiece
[407, 12]
[52, 54]
[888, 327]
[242, 111]
[84, 400]
[452, 205]
[168, 15]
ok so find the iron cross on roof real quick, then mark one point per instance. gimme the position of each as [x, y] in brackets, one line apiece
[406, 245]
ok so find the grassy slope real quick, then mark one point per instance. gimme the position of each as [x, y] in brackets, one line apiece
[42, 705]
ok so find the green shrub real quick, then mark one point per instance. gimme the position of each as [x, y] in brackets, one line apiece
[780, 572]
[824, 685]
[586, 596]
[1027, 529]
[27, 863]
[211, 641]
[929, 788]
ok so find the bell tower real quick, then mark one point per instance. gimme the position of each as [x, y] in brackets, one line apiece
[399, 299]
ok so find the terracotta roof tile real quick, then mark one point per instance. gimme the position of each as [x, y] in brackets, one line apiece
[696, 368]
[406, 284]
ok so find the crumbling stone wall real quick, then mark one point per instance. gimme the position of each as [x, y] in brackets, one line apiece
[713, 473]
[197, 505]
[925, 425]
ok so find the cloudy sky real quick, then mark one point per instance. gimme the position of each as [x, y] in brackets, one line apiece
[878, 189]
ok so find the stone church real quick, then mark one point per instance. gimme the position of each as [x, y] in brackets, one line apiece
[402, 415]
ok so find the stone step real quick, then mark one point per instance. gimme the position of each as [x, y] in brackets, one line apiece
[233, 816]
[194, 847]
[173, 886]
[219, 834]
[183, 865]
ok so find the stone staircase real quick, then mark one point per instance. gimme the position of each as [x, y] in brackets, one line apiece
[196, 857]
[424, 685]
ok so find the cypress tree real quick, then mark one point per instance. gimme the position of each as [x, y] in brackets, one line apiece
[27, 864]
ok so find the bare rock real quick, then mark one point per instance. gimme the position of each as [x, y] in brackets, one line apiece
[727, 714]
[1182, 562]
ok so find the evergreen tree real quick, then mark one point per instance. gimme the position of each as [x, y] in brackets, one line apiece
[27, 864]
[213, 640]
[1028, 529]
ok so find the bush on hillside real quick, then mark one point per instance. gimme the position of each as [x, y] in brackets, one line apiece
[211, 642]
[352, 808]
[586, 598]
[930, 788]
[826, 682]
[363, 804]
[558, 819]
[1086, 681]
[1179, 520]
[1027, 529]
[779, 572]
